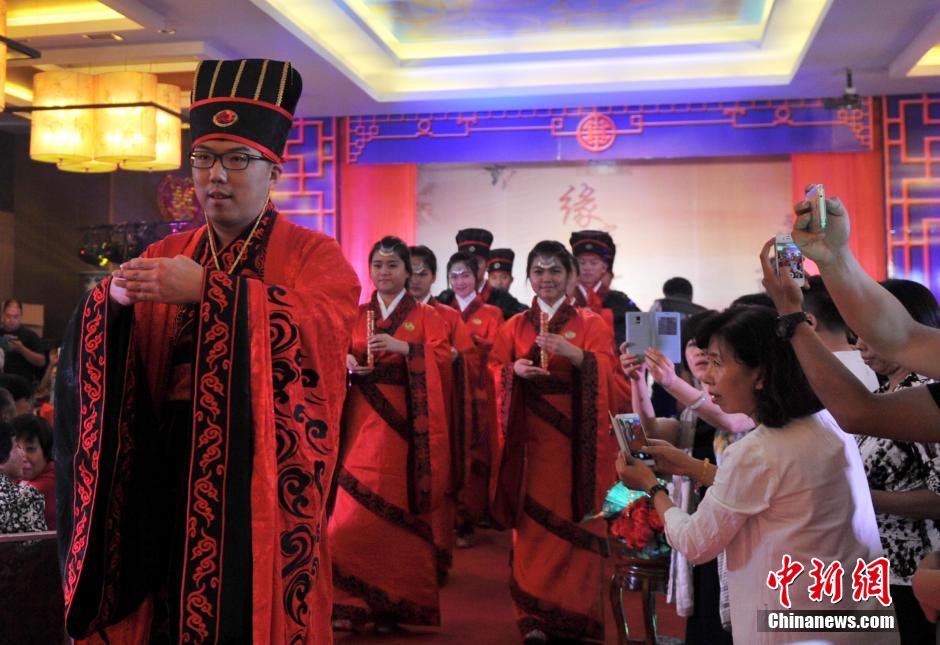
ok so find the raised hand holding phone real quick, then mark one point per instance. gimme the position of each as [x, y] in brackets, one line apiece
[789, 258]
[822, 246]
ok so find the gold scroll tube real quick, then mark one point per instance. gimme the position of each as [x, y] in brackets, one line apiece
[370, 332]
[543, 329]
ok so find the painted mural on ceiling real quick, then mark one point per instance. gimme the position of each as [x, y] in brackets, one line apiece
[424, 21]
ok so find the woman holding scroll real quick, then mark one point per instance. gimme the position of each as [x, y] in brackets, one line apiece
[394, 460]
[553, 443]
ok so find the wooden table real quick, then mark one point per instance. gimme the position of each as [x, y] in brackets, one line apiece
[644, 576]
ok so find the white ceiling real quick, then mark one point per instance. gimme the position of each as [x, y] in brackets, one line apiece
[800, 49]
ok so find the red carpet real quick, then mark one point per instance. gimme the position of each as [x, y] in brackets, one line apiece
[476, 608]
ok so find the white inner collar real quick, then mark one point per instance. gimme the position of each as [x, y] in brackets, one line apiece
[387, 311]
[465, 302]
[551, 309]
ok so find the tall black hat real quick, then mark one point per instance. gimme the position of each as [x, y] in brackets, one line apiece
[475, 240]
[250, 101]
[597, 242]
[501, 260]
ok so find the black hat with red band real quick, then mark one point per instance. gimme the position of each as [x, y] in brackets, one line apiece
[597, 242]
[500, 260]
[248, 101]
[475, 240]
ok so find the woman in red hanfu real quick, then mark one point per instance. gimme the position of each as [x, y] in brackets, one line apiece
[394, 459]
[458, 400]
[482, 321]
[554, 449]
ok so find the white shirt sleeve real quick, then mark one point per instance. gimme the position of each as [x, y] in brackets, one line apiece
[744, 486]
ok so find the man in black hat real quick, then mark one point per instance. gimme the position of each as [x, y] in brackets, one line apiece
[595, 252]
[198, 402]
[499, 268]
[477, 241]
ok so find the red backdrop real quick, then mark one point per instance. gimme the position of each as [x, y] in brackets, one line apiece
[858, 179]
[376, 200]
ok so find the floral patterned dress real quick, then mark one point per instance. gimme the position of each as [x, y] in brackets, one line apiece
[902, 466]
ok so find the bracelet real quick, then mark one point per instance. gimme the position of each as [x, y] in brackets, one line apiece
[701, 479]
[699, 402]
[655, 488]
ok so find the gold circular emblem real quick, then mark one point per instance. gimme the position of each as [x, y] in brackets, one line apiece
[570, 335]
[410, 326]
[225, 118]
[477, 321]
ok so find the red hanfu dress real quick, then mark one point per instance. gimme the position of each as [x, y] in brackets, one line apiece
[483, 322]
[459, 402]
[555, 463]
[394, 468]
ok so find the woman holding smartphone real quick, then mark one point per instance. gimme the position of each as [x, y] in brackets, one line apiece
[701, 431]
[394, 462]
[554, 443]
[795, 486]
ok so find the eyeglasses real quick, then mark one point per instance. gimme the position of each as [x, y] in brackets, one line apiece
[203, 160]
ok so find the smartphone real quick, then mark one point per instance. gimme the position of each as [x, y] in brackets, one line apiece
[630, 436]
[660, 330]
[816, 196]
[787, 255]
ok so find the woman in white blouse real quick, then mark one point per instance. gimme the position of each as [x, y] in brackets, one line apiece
[795, 486]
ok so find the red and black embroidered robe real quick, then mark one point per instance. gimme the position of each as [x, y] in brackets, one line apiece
[196, 446]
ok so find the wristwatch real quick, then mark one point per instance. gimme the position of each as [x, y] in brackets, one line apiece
[786, 325]
[655, 488]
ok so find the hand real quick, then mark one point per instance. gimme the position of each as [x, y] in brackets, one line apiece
[822, 246]
[634, 474]
[525, 369]
[923, 585]
[556, 344]
[661, 368]
[14, 344]
[169, 280]
[353, 365]
[454, 354]
[386, 343]
[669, 459]
[782, 288]
[633, 366]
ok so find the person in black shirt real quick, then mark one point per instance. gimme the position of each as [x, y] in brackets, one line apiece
[22, 347]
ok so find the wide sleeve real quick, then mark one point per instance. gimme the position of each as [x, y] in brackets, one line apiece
[294, 330]
[744, 487]
[437, 364]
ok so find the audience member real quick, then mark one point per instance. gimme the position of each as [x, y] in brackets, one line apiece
[22, 391]
[793, 485]
[22, 346]
[7, 406]
[677, 297]
[21, 506]
[699, 593]
[825, 318]
[760, 299]
[34, 438]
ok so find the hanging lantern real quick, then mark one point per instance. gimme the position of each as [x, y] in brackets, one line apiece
[128, 133]
[3, 53]
[62, 136]
[169, 134]
[90, 166]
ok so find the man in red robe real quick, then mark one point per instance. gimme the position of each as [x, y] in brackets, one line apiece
[198, 403]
